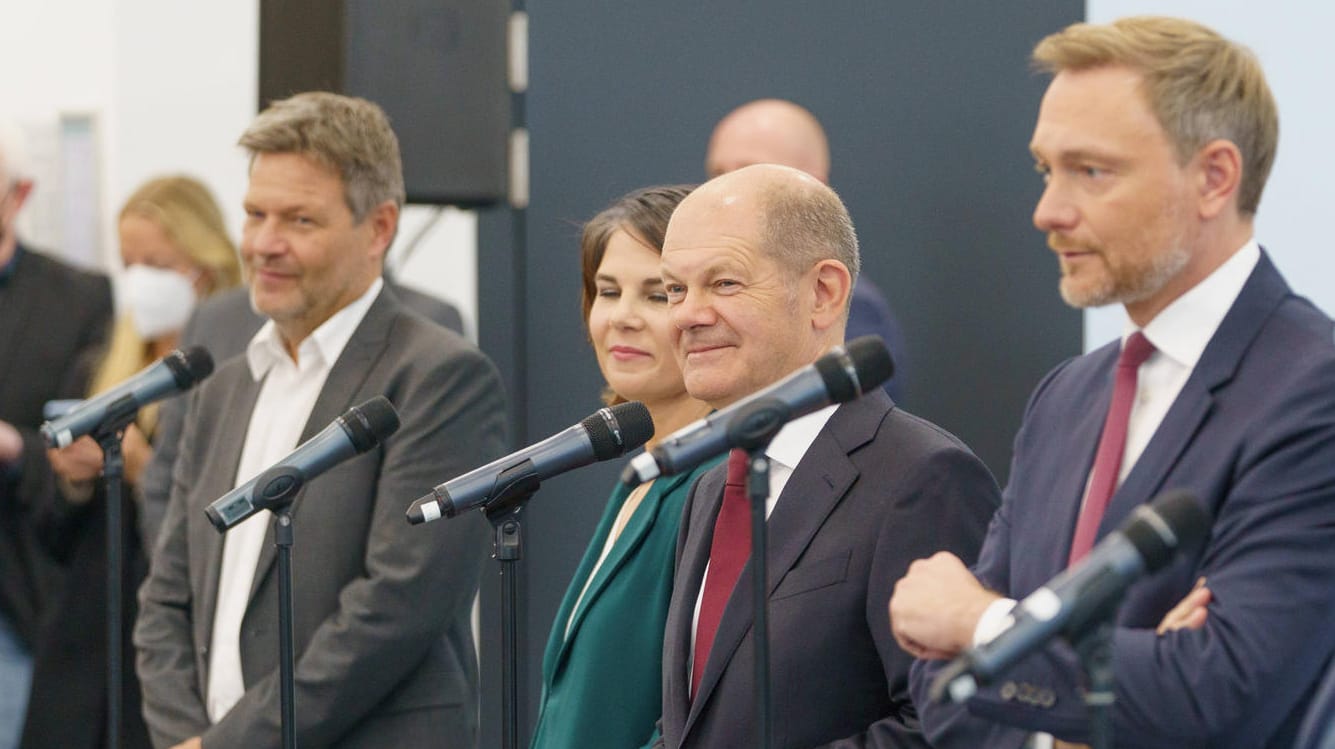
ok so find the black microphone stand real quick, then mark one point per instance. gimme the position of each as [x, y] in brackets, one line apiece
[119, 416]
[514, 487]
[274, 491]
[1095, 649]
[752, 429]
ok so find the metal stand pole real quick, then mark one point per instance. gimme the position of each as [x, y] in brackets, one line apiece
[282, 526]
[514, 486]
[119, 415]
[1095, 650]
[757, 489]
[113, 472]
[508, 549]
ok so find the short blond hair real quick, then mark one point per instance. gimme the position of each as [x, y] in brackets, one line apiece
[349, 135]
[1200, 85]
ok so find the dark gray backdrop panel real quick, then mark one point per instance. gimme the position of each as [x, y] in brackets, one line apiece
[929, 107]
[437, 67]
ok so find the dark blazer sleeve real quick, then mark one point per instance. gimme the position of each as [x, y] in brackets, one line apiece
[943, 506]
[416, 578]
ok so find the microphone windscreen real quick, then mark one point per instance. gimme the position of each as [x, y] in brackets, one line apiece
[189, 366]
[199, 362]
[371, 423]
[1171, 522]
[871, 360]
[612, 431]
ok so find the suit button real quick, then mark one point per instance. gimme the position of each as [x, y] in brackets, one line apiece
[1007, 691]
[203, 649]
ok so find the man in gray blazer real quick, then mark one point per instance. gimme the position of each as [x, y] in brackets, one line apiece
[384, 654]
[758, 266]
[224, 325]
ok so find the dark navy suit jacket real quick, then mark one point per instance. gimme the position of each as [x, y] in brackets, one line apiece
[1252, 434]
[877, 489]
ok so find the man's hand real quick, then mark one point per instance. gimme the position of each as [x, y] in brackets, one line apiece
[936, 607]
[11, 443]
[81, 461]
[194, 743]
[1190, 612]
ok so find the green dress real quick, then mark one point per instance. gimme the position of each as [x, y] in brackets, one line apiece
[602, 682]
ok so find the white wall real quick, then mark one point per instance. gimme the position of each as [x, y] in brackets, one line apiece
[171, 86]
[1293, 49]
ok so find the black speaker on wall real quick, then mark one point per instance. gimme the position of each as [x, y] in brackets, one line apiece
[437, 67]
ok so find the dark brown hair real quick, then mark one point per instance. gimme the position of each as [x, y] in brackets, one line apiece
[643, 214]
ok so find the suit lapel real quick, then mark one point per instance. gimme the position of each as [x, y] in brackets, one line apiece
[819, 482]
[233, 423]
[1262, 293]
[558, 640]
[340, 388]
[641, 522]
[1068, 467]
[678, 655]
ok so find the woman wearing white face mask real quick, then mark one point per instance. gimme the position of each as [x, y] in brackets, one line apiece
[176, 251]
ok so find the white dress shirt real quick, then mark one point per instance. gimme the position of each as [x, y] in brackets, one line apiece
[281, 411]
[785, 451]
[1180, 334]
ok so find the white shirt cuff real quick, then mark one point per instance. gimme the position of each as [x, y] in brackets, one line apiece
[996, 619]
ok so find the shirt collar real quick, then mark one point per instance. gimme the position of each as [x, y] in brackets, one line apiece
[1184, 328]
[795, 438]
[321, 348]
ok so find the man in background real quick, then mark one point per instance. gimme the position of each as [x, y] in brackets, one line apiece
[1154, 140]
[384, 650]
[774, 131]
[758, 266]
[53, 319]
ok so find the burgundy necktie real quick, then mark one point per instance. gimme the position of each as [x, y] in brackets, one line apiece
[1108, 461]
[727, 555]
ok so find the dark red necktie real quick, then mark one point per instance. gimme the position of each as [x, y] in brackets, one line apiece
[727, 555]
[1108, 461]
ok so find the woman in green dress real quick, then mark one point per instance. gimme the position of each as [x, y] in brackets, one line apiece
[602, 677]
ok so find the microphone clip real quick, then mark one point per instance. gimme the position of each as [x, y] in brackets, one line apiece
[514, 486]
[756, 424]
[277, 487]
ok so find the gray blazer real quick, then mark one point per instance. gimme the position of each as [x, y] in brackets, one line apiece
[877, 489]
[224, 324]
[384, 651]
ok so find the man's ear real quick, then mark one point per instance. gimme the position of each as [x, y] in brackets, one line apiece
[1219, 174]
[832, 286]
[384, 222]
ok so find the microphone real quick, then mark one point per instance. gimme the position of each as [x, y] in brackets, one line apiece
[176, 372]
[360, 429]
[841, 375]
[604, 434]
[1084, 594]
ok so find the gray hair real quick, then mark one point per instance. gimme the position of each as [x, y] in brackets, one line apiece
[352, 136]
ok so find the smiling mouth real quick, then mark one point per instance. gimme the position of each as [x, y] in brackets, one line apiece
[696, 350]
[627, 352]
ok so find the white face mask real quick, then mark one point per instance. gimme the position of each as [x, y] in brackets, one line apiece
[159, 301]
